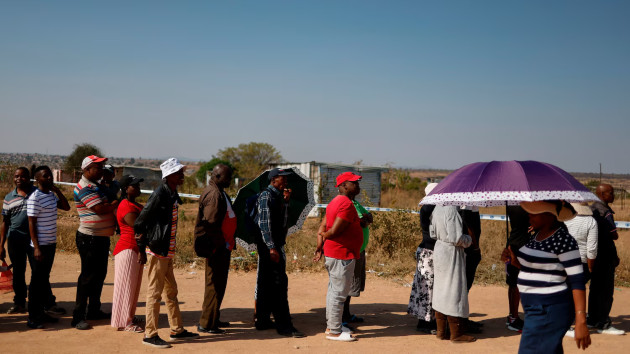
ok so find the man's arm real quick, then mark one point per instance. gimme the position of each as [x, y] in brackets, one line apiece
[212, 219]
[320, 241]
[62, 202]
[339, 226]
[94, 202]
[145, 217]
[264, 220]
[32, 227]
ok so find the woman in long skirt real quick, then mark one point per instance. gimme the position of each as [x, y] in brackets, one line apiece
[128, 262]
[422, 288]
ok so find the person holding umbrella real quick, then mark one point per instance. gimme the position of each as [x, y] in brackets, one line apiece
[551, 280]
[272, 282]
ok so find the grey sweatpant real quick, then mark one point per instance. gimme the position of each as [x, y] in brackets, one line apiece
[340, 274]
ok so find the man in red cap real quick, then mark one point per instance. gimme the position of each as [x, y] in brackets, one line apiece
[97, 224]
[340, 238]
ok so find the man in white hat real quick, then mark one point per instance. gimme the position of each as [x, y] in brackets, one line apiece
[157, 223]
[96, 225]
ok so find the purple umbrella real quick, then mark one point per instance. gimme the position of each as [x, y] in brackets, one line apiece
[507, 182]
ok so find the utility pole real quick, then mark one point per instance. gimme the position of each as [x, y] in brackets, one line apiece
[600, 173]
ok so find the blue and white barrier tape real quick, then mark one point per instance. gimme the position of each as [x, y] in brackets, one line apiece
[620, 224]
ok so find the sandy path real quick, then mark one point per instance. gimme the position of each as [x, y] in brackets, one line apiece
[383, 305]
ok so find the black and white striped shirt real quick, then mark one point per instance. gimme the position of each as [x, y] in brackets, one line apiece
[550, 269]
[43, 206]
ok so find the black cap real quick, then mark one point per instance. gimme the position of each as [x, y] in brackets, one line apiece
[279, 172]
[128, 180]
[109, 168]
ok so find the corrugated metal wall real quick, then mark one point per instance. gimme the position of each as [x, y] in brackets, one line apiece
[370, 183]
[323, 176]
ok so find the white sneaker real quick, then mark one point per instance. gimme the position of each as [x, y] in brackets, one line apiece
[611, 330]
[570, 333]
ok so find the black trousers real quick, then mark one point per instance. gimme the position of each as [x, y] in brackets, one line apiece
[217, 268]
[94, 253]
[39, 289]
[272, 286]
[600, 298]
[472, 261]
[19, 249]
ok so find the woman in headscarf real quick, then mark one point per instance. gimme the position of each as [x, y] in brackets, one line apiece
[450, 290]
[422, 288]
[128, 261]
[551, 280]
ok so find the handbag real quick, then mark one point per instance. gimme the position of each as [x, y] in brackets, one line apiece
[6, 279]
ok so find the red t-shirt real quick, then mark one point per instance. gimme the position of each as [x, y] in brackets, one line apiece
[348, 244]
[127, 239]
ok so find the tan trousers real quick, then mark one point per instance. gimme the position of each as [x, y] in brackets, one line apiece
[161, 278]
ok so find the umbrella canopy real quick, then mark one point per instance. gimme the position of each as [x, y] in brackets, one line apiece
[301, 202]
[507, 182]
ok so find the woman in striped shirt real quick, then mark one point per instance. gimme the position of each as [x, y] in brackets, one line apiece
[551, 280]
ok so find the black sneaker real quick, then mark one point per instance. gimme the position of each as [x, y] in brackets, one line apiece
[222, 324]
[262, 325]
[55, 310]
[100, 315]
[216, 330]
[184, 335]
[156, 342]
[515, 324]
[80, 325]
[291, 332]
[34, 324]
[16, 309]
[45, 318]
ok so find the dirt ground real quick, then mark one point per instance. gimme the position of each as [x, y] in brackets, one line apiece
[387, 327]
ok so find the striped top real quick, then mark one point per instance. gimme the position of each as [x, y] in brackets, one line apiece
[14, 212]
[43, 206]
[550, 269]
[583, 228]
[87, 194]
[173, 243]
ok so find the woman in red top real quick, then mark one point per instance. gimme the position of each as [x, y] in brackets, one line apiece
[128, 261]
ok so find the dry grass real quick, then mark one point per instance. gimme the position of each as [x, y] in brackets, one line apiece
[394, 237]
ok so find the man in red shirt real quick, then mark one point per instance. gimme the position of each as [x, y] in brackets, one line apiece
[340, 238]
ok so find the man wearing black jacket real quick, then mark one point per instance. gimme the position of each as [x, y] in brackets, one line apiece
[157, 223]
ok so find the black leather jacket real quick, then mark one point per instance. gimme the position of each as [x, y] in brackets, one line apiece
[154, 221]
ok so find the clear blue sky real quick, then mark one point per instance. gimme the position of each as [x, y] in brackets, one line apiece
[412, 83]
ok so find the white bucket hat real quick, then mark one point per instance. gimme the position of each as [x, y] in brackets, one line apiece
[170, 166]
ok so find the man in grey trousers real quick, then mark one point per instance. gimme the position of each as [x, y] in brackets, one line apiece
[340, 238]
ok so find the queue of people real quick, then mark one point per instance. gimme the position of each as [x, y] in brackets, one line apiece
[553, 250]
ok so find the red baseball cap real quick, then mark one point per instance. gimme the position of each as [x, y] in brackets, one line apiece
[347, 176]
[90, 160]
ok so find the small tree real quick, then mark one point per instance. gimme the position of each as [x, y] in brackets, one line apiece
[250, 159]
[81, 151]
[209, 166]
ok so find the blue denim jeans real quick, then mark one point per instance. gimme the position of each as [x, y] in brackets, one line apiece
[545, 326]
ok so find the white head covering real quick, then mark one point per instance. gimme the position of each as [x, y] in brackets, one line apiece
[429, 188]
[170, 166]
